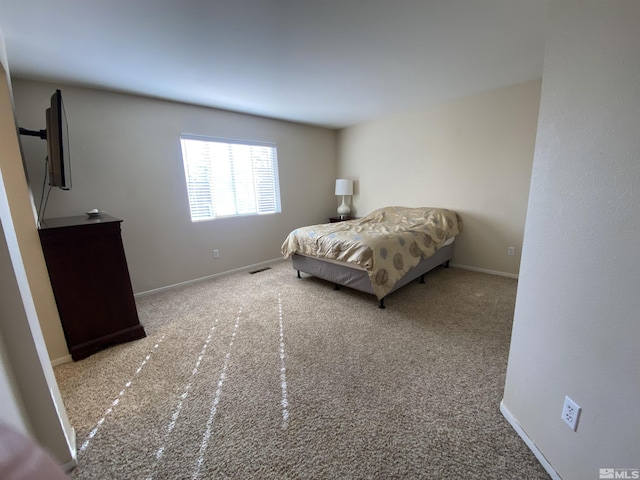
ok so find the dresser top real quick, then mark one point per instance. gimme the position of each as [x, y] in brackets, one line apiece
[76, 221]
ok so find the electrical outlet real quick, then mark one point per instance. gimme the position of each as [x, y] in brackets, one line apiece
[216, 253]
[571, 413]
[511, 251]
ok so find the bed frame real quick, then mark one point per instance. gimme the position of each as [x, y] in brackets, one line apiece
[341, 274]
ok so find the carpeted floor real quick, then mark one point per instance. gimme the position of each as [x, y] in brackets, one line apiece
[271, 376]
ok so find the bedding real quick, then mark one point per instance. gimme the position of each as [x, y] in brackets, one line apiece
[387, 243]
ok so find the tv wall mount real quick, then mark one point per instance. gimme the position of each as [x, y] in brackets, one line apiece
[33, 133]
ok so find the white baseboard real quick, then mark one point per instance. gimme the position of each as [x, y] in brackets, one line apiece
[255, 266]
[73, 463]
[530, 443]
[61, 360]
[484, 270]
[275, 260]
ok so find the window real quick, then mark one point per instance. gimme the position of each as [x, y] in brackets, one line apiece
[228, 178]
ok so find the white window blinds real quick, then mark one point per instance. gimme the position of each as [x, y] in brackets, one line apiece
[230, 177]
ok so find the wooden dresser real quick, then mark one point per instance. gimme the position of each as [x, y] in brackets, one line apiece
[90, 279]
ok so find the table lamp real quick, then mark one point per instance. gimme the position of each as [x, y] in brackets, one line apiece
[344, 187]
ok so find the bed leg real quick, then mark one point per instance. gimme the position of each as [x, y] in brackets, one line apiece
[381, 304]
[446, 264]
[299, 274]
[421, 278]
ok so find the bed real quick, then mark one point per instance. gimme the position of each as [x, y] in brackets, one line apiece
[378, 253]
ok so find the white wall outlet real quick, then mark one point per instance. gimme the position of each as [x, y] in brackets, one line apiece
[571, 413]
[216, 253]
[511, 251]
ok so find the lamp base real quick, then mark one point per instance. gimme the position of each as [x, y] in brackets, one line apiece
[343, 209]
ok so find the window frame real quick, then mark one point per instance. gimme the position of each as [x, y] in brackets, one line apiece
[233, 183]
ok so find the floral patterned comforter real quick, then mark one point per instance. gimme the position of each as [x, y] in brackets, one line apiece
[387, 242]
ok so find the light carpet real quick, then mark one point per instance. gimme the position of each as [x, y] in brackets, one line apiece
[271, 376]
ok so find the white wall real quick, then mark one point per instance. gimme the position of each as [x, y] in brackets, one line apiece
[473, 155]
[27, 380]
[11, 407]
[126, 160]
[576, 330]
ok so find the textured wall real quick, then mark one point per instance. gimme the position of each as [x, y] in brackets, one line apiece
[576, 330]
[473, 155]
[25, 296]
[126, 160]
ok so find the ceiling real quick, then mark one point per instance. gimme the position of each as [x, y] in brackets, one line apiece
[332, 63]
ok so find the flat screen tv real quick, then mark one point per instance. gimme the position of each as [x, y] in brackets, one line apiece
[57, 137]
[59, 164]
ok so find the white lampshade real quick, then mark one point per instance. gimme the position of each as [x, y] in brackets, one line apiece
[344, 186]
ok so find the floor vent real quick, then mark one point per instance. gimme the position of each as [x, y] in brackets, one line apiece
[260, 270]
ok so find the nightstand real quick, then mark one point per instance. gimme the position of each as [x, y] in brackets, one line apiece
[339, 219]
